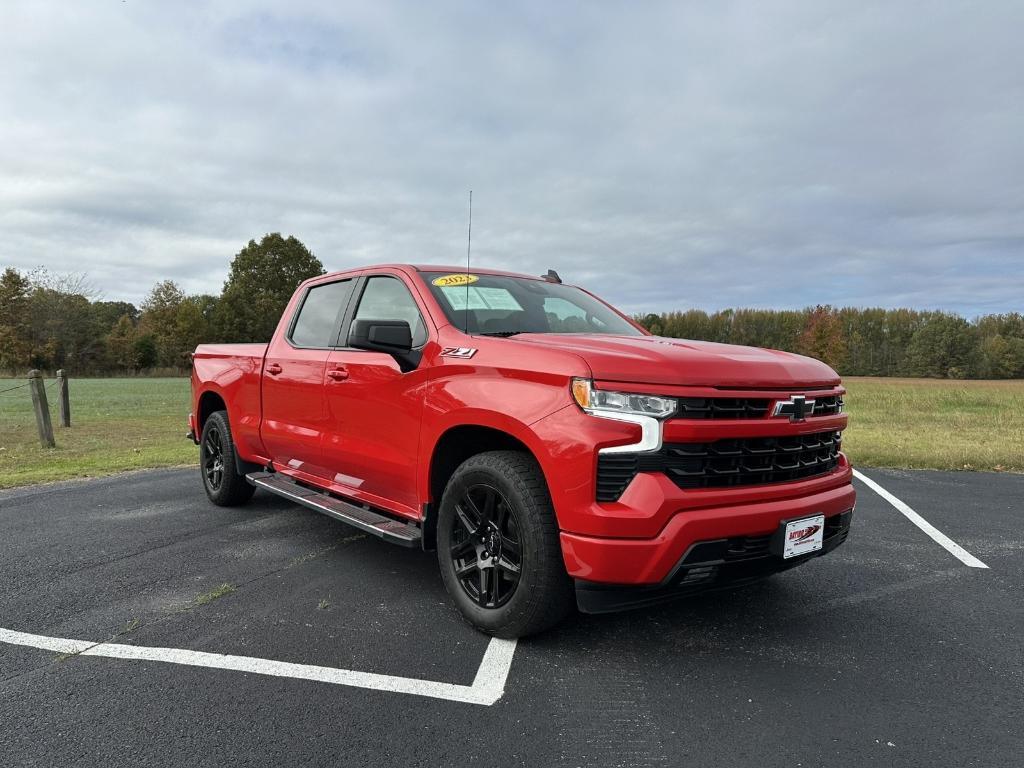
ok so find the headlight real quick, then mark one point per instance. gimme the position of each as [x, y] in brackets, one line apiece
[603, 401]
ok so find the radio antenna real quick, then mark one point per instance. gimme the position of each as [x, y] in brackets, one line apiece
[469, 245]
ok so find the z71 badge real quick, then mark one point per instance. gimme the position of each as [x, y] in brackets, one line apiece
[463, 352]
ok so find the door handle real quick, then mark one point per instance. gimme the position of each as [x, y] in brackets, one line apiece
[337, 374]
[273, 369]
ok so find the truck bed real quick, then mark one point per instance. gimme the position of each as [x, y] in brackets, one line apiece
[230, 351]
[230, 373]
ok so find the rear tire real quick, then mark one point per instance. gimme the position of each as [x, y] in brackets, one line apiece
[224, 486]
[498, 547]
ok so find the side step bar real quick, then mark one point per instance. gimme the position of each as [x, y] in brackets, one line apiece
[389, 529]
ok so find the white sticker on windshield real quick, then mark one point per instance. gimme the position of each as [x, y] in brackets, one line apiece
[480, 298]
[459, 296]
[499, 298]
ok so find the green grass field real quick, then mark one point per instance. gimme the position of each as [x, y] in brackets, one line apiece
[936, 424]
[124, 424]
[116, 425]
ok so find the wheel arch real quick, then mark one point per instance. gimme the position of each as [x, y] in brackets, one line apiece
[455, 445]
[209, 402]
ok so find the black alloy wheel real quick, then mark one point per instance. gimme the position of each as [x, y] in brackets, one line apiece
[225, 485]
[498, 548]
[486, 546]
[212, 458]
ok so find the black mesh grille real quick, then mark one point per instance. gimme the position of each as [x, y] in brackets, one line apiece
[750, 461]
[828, 406]
[724, 463]
[721, 408]
[746, 407]
[746, 548]
[614, 473]
[758, 546]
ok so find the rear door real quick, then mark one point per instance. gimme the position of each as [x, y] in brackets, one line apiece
[294, 409]
[373, 408]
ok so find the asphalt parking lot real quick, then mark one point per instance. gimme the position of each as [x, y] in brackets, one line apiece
[890, 651]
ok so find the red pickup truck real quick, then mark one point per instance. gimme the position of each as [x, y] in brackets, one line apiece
[552, 451]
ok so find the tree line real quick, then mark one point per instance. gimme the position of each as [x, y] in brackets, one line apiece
[50, 322]
[866, 342]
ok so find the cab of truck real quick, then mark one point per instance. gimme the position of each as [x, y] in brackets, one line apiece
[553, 452]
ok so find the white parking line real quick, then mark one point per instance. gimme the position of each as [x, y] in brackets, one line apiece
[938, 536]
[487, 688]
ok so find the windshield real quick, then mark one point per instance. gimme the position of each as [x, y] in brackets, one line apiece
[497, 305]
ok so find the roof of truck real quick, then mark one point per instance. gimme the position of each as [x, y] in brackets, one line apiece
[438, 268]
[462, 269]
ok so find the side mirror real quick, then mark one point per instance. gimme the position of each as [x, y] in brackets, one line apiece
[391, 336]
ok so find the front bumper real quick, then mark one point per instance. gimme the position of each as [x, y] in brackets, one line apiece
[650, 561]
[638, 539]
[708, 566]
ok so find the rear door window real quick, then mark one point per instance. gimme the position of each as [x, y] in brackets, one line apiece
[320, 314]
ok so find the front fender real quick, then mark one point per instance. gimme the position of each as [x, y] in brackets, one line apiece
[435, 428]
[508, 401]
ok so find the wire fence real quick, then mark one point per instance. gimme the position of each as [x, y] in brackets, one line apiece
[9, 390]
[19, 386]
[19, 416]
[23, 385]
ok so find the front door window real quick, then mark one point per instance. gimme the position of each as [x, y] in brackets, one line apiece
[387, 298]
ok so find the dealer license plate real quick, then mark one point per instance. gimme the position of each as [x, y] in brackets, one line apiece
[803, 536]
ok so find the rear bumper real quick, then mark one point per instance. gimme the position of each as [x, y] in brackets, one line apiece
[708, 566]
[653, 561]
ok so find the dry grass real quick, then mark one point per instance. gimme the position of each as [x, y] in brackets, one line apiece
[214, 594]
[123, 424]
[936, 424]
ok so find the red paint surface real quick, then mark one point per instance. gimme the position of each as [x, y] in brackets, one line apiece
[352, 422]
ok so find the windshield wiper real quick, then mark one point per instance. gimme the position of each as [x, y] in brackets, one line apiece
[504, 334]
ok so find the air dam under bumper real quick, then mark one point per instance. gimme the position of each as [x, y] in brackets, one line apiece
[708, 566]
[653, 562]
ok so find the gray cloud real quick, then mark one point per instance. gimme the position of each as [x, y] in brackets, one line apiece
[665, 155]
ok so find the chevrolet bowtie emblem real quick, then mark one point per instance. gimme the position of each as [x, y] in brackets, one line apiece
[798, 408]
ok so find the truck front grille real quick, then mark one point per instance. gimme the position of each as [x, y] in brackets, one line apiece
[746, 407]
[828, 406]
[721, 408]
[724, 463]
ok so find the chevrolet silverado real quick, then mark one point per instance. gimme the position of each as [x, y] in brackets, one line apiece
[552, 451]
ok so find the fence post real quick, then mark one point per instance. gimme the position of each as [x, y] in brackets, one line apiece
[42, 409]
[63, 399]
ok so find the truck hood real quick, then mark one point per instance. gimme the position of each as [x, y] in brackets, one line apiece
[660, 360]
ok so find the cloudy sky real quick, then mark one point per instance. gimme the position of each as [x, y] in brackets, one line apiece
[774, 154]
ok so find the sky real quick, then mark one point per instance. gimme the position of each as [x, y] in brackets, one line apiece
[665, 155]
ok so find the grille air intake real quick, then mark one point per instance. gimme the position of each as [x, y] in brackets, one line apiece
[724, 463]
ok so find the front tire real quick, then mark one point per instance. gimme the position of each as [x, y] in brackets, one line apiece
[224, 486]
[498, 548]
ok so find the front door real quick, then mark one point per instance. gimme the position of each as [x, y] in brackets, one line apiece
[374, 409]
[294, 409]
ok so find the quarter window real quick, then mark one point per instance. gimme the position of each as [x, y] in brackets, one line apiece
[319, 316]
